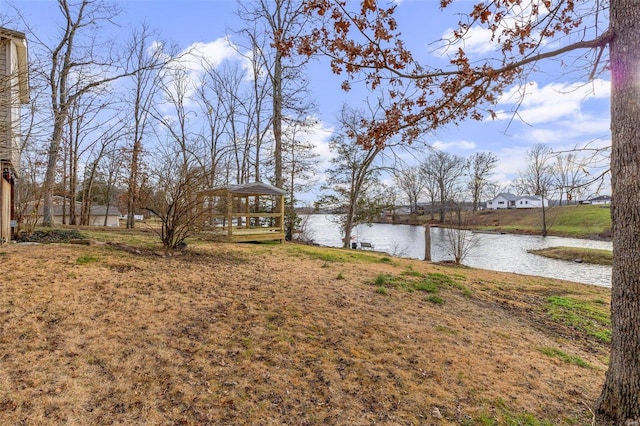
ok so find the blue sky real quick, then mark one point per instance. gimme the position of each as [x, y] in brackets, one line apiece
[560, 109]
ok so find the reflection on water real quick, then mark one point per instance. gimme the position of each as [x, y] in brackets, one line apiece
[507, 252]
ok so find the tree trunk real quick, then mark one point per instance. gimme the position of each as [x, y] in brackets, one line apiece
[50, 174]
[348, 227]
[132, 191]
[277, 124]
[73, 186]
[476, 197]
[65, 192]
[427, 243]
[619, 399]
[544, 218]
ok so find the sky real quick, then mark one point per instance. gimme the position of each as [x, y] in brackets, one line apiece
[560, 109]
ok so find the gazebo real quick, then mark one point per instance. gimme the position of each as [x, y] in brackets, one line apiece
[244, 212]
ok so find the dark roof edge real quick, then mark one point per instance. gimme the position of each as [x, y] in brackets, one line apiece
[12, 33]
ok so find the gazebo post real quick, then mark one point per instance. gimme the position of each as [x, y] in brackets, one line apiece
[249, 224]
[246, 212]
[256, 209]
[282, 215]
[230, 214]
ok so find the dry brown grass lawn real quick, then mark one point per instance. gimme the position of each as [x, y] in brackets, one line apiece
[284, 334]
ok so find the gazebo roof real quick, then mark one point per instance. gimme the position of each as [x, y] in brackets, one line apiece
[254, 188]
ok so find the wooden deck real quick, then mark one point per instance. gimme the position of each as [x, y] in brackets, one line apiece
[243, 234]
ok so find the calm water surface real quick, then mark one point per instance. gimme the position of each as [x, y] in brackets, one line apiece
[497, 252]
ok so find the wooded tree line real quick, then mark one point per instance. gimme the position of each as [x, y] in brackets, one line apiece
[129, 124]
[439, 182]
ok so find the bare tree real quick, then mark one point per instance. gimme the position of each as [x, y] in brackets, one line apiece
[479, 168]
[174, 197]
[258, 111]
[237, 126]
[229, 133]
[32, 156]
[352, 175]
[570, 177]
[445, 170]
[299, 166]
[537, 178]
[146, 59]
[281, 20]
[458, 240]
[214, 135]
[177, 173]
[91, 126]
[78, 64]
[91, 176]
[410, 181]
[112, 169]
[431, 190]
[29, 192]
[494, 188]
[173, 113]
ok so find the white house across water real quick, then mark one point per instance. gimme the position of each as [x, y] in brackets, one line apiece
[506, 200]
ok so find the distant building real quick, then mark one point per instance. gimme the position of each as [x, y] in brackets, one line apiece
[14, 92]
[506, 200]
[98, 215]
[135, 217]
[531, 202]
[602, 199]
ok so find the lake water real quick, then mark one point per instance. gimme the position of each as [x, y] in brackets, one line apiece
[497, 252]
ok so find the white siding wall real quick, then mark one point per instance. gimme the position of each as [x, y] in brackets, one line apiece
[5, 98]
[499, 203]
[9, 103]
[13, 93]
[529, 204]
[14, 126]
[112, 220]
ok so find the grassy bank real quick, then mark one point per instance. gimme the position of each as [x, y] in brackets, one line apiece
[575, 254]
[273, 334]
[577, 221]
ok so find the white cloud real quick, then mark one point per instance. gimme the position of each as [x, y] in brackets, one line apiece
[564, 115]
[477, 41]
[583, 127]
[455, 146]
[550, 103]
[214, 52]
[199, 56]
[319, 136]
[186, 71]
[512, 161]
